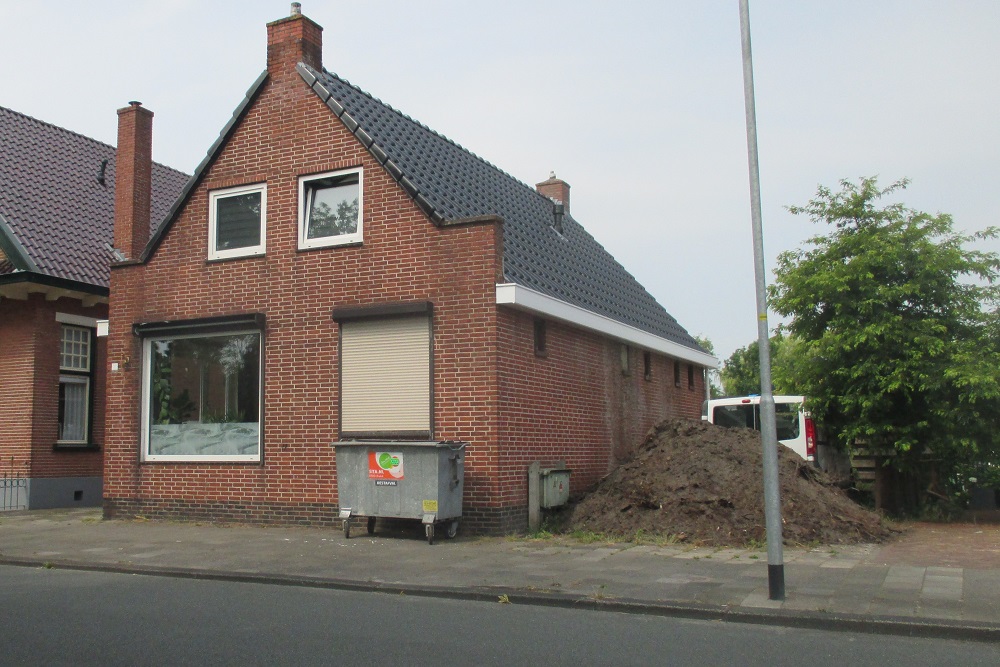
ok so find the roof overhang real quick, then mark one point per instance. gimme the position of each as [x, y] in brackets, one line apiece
[522, 298]
[21, 284]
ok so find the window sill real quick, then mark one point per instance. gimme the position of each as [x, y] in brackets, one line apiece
[325, 246]
[215, 461]
[252, 255]
[76, 447]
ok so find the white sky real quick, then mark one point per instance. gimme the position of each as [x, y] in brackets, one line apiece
[638, 105]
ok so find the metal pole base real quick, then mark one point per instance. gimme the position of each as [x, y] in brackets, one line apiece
[776, 582]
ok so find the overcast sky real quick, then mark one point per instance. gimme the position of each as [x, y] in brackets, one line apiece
[638, 105]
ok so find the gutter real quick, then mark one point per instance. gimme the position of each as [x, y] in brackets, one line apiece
[523, 298]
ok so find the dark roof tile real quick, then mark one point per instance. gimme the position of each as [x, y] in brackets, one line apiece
[571, 266]
[52, 202]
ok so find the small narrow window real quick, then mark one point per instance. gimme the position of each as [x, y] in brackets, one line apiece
[541, 345]
[75, 374]
[330, 209]
[691, 376]
[677, 373]
[237, 222]
[624, 359]
[647, 366]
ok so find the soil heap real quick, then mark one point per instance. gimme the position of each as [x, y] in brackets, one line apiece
[703, 484]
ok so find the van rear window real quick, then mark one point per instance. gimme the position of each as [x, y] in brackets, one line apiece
[786, 418]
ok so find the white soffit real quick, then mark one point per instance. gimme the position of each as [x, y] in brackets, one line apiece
[522, 298]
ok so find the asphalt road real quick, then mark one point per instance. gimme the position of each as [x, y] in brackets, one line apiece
[61, 617]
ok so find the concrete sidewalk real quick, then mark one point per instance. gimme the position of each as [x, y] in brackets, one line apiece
[936, 580]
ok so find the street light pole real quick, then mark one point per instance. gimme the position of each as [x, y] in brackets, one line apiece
[768, 431]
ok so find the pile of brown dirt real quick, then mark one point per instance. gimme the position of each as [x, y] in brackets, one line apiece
[703, 484]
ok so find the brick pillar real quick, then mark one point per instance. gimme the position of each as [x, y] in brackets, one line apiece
[555, 188]
[133, 174]
[292, 40]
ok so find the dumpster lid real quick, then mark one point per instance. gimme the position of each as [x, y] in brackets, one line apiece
[450, 444]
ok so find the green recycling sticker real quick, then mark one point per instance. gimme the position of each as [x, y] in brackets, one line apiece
[385, 465]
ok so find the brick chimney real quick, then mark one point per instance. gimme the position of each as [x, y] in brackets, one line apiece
[133, 179]
[292, 40]
[555, 189]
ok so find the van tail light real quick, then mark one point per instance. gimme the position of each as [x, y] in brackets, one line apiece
[810, 438]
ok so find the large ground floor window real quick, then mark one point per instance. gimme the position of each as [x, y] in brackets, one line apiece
[201, 397]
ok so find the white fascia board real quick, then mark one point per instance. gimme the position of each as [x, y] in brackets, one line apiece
[78, 320]
[523, 298]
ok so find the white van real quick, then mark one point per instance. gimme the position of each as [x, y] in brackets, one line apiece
[794, 425]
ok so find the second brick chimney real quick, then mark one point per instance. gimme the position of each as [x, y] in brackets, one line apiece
[555, 189]
[133, 179]
[292, 40]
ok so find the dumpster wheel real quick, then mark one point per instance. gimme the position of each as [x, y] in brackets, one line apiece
[429, 530]
[453, 528]
[347, 529]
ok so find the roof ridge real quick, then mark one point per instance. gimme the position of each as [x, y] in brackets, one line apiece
[81, 136]
[431, 130]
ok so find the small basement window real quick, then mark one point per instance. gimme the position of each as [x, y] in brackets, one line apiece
[330, 209]
[237, 221]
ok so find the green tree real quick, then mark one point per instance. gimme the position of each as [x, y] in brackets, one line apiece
[714, 388]
[741, 371]
[896, 327]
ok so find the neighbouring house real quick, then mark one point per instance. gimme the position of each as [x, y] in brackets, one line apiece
[337, 271]
[57, 201]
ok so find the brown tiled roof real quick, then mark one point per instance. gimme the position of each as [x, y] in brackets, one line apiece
[56, 218]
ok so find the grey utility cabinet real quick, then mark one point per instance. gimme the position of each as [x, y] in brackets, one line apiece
[401, 480]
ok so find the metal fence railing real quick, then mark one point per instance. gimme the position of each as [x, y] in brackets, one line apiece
[13, 491]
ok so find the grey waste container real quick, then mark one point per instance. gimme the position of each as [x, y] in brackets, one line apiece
[401, 480]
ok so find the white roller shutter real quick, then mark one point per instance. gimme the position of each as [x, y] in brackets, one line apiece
[386, 375]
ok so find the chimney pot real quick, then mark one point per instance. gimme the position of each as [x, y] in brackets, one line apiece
[296, 8]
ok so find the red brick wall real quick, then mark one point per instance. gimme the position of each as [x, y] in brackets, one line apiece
[287, 133]
[489, 389]
[576, 405]
[17, 368]
[29, 393]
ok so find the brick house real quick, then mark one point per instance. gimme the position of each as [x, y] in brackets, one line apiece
[57, 194]
[335, 270]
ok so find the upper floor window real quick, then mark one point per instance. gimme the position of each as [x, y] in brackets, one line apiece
[330, 209]
[237, 221]
[75, 374]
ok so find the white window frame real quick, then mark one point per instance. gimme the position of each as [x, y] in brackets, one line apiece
[77, 374]
[328, 241]
[145, 456]
[249, 251]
